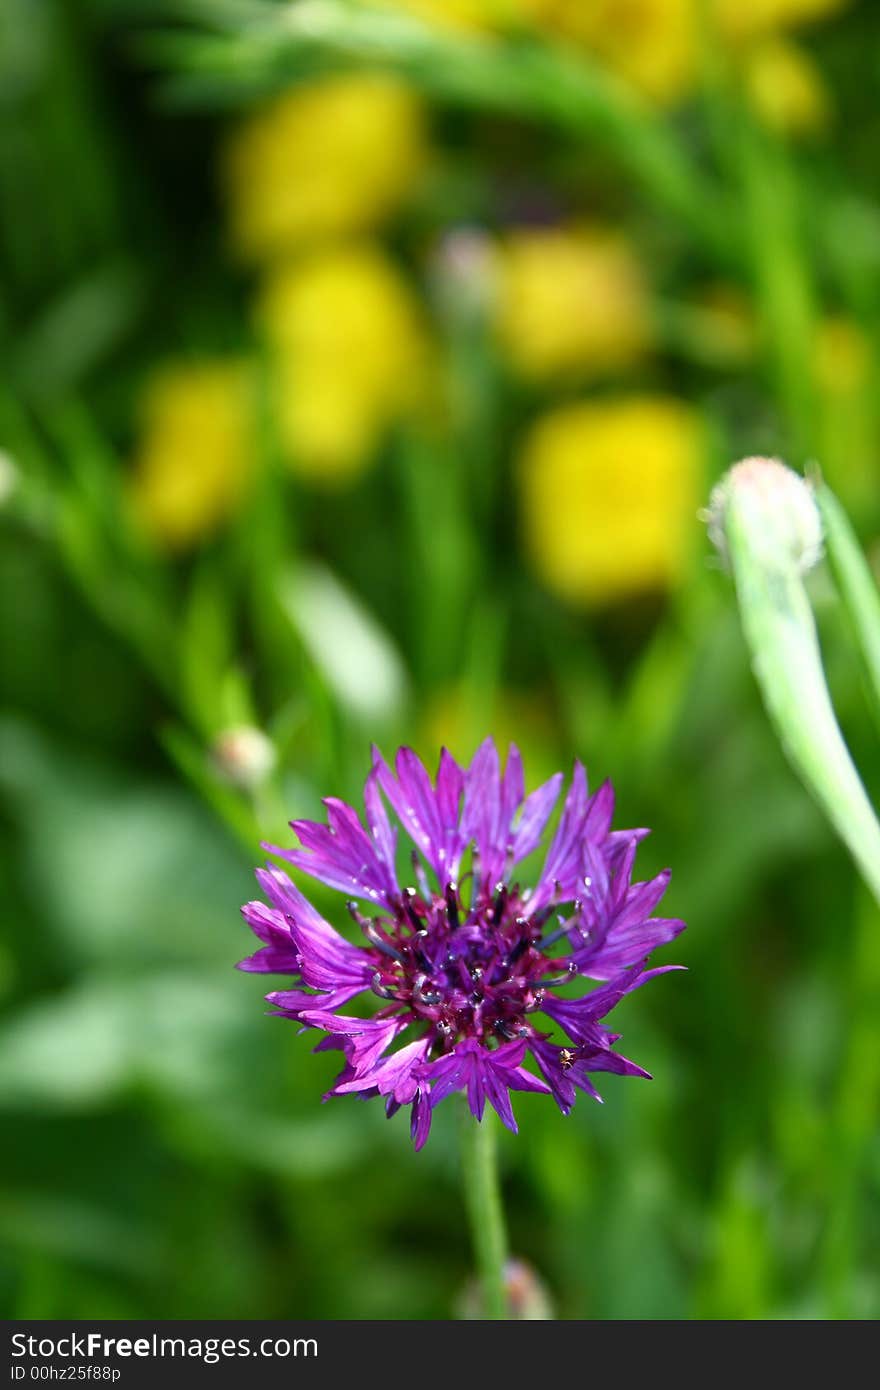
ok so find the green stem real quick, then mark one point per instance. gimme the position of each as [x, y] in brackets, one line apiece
[845, 1162]
[485, 1212]
[855, 582]
[269, 46]
[785, 299]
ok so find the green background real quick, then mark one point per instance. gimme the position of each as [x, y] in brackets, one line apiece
[165, 1152]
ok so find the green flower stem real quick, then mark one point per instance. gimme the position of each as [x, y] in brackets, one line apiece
[852, 1124]
[260, 48]
[482, 1193]
[854, 582]
[773, 225]
[781, 634]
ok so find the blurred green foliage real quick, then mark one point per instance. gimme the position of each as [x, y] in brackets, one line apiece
[165, 1152]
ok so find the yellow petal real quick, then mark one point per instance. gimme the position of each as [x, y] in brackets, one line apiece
[332, 156]
[350, 354]
[195, 453]
[609, 491]
[786, 88]
[570, 301]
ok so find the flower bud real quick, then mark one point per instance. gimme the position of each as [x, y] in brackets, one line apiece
[775, 505]
[766, 522]
[8, 477]
[526, 1295]
[244, 756]
[463, 273]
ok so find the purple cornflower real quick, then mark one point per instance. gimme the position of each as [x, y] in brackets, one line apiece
[466, 961]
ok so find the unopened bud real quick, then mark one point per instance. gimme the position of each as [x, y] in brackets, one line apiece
[525, 1294]
[777, 508]
[245, 756]
[767, 523]
[463, 272]
[8, 477]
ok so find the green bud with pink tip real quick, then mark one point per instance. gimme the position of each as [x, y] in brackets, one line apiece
[765, 521]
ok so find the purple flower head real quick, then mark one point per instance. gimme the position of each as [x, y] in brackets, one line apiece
[469, 965]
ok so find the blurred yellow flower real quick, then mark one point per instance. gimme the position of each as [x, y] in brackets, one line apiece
[195, 454]
[334, 156]
[842, 356]
[570, 301]
[846, 445]
[649, 43]
[743, 20]
[609, 491]
[350, 356]
[786, 88]
[456, 716]
[721, 325]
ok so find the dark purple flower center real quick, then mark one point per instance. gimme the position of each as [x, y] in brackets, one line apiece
[467, 971]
